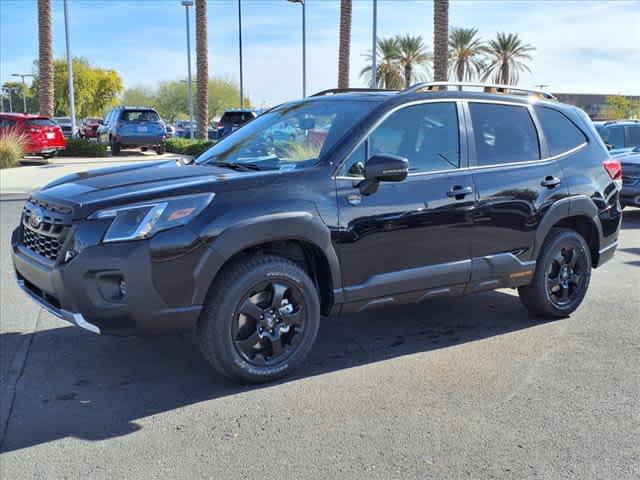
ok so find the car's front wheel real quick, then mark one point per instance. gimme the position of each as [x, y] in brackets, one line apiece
[260, 320]
[562, 276]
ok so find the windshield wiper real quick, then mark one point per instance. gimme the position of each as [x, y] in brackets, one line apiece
[242, 167]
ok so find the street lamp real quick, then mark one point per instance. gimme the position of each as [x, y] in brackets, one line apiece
[374, 66]
[240, 51]
[24, 87]
[304, 45]
[72, 98]
[186, 4]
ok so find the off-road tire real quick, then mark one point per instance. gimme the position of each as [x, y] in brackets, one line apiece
[537, 297]
[224, 300]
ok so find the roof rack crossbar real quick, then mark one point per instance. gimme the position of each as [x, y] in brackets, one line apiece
[335, 91]
[487, 88]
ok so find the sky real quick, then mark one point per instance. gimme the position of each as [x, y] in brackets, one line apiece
[581, 46]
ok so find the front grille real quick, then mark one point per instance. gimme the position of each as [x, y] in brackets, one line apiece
[44, 228]
[48, 247]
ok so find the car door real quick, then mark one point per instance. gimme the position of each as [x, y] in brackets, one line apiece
[408, 236]
[514, 185]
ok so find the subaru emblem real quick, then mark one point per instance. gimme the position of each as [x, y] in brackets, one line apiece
[35, 220]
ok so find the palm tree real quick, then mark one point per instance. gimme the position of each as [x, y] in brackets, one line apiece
[45, 58]
[440, 40]
[344, 51]
[388, 72]
[413, 58]
[506, 58]
[202, 64]
[467, 53]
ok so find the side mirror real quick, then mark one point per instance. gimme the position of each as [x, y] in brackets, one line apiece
[383, 168]
[386, 168]
[609, 146]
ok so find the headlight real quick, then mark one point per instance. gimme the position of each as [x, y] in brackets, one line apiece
[143, 220]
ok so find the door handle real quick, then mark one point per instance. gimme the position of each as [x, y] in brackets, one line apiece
[550, 182]
[459, 192]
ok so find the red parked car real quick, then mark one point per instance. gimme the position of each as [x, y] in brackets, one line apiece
[89, 127]
[44, 137]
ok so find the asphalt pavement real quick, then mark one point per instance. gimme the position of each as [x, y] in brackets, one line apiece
[467, 388]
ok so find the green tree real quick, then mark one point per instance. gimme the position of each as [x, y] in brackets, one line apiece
[223, 95]
[619, 106]
[171, 100]
[95, 89]
[15, 90]
[507, 56]
[389, 72]
[138, 96]
[467, 53]
[413, 57]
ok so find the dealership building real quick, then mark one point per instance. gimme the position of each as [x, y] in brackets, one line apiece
[592, 103]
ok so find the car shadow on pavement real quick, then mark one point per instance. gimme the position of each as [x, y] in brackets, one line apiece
[76, 384]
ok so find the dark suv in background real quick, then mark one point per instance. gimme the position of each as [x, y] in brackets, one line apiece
[231, 120]
[620, 136]
[435, 191]
[133, 127]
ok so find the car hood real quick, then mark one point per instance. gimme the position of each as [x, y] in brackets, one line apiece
[632, 159]
[86, 192]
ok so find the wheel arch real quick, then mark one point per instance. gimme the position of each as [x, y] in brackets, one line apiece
[579, 214]
[298, 236]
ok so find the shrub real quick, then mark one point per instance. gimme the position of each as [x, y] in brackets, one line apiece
[77, 147]
[12, 148]
[186, 146]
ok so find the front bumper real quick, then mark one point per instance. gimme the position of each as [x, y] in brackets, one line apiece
[40, 298]
[86, 290]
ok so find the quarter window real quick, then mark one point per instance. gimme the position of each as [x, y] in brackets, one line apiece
[560, 133]
[503, 134]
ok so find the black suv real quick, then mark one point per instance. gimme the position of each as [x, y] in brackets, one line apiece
[375, 199]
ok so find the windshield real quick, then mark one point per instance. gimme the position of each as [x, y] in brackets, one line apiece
[290, 136]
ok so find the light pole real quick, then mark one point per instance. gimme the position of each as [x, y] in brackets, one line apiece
[240, 51]
[24, 87]
[186, 4]
[10, 91]
[72, 98]
[374, 66]
[304, 45]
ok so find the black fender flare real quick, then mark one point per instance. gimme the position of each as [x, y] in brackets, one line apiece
[579, 205]
[292, 225]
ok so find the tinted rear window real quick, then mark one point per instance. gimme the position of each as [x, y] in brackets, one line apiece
[41, 122]
[139, 116]
[503, 134]
[561, 133]
[236, 117]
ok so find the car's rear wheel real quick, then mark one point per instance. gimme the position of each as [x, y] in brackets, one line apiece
[115, 148]
[161, 150]
[260, 319]
[562, 276]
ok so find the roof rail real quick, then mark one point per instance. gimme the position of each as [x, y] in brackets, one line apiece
[620, 120]
[335, 91]
[486, 87]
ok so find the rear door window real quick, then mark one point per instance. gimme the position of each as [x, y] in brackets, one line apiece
[7, 123]
[560, 133]
[503, 134]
